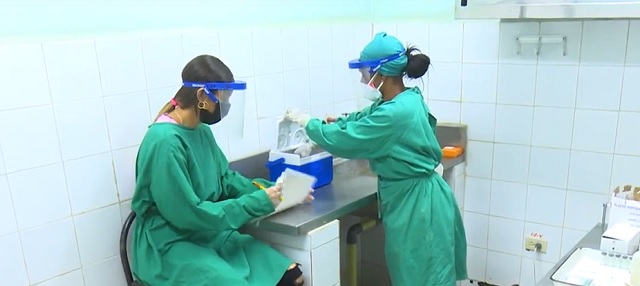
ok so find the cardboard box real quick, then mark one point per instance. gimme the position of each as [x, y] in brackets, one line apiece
[621, 238]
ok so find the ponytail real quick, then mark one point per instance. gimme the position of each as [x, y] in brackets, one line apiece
[165, 109]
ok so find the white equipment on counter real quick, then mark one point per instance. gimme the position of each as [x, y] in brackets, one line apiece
[591, 267]
[635, 269]
[621, 238]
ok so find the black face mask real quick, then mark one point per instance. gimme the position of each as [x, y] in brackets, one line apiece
[214, 117]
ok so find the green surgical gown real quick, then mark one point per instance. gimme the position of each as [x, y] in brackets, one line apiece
[425, 237]
[189, 206]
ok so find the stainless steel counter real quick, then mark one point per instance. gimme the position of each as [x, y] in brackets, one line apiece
[346, 194]
[590, 240]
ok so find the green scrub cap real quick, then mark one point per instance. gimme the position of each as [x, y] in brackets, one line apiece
[383, 46]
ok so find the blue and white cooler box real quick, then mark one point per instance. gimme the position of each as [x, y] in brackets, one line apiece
[290, 136]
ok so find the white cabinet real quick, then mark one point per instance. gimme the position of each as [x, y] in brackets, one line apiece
[317, 251]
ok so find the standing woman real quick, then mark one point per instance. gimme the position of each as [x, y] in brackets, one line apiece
[189, 205]
[425, 236]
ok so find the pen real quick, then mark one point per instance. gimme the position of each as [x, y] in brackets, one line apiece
[263, 188]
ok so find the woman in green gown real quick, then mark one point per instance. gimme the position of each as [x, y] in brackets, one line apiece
[425, 237]
[189, 205]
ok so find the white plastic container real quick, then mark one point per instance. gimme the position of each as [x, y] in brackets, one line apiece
[635, 269]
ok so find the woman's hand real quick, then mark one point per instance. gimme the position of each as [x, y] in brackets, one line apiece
[275, 194]
[330, 119]
[309, 198]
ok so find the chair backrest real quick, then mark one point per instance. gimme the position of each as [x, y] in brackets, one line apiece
[124, 255]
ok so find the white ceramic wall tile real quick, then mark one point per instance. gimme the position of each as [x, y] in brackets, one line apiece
[445, 81]
[296, 90]
[530, 275]
[121, 65]
[481, 120]
[345, 107]
[633, 43]
[627, 135]
[158, 98]
[511, 162]
[105, 273]
[72, 69]
[341, 44]
[295, 48]
[479, 159]
[268, 58]
[414, 34]
[320, 54]
[506, 235]
[583, 210]
[570, 238]
[630, 89]
[195, 44]
[592, 130]
[128, 118]
[503, 269]
[590, 172]
[363, 32]
[163, 59]
[556, 85]
[477, 229]
[510, 52]
[481, 39]
[57, 256]
[90, 182]
[82, 119]
[74, 278]
[623, 171]
[545, 205]
[549, 167]
[609, 35]
[556, 53]
[23, 76]
[12, 266]
[445, 111]
[40, 201]
[235, 51]
[507, 199]
[270, 95]
[343, 83]
[552, 234]
[477, 195]
[592, 94]
[7, 215]
[318, 89]
[124, 164]
[268, 133]
[246, 146]
[2, 168]
[98, 233]
[513, 124]
[33, 142]
[552, 127]
[479, 82]
[516, 84]
[445, 42]
[476, 263]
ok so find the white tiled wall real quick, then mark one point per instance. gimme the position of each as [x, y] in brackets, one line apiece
[73, 113]
[549, 134]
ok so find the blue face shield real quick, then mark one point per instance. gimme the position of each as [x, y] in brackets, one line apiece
[224, 95]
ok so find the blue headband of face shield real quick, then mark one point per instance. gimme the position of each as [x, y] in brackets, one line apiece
[373, 65]
[209, 86]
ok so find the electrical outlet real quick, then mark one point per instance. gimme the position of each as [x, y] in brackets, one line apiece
[530, 244]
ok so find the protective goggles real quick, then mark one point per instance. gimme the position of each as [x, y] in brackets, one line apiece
[221, 94]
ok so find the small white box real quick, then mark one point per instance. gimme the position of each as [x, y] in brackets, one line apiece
[621, 238]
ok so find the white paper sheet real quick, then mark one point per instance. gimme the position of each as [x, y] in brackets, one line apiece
[295, 188]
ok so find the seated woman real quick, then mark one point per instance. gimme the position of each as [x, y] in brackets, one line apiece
[190, 205]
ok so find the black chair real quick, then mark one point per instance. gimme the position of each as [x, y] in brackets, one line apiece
[124, 256]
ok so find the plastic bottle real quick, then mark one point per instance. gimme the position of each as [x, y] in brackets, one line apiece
[635, 269]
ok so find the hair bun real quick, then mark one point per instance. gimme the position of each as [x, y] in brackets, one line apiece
[417, 64]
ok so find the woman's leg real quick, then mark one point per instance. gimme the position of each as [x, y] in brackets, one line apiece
[292, 277]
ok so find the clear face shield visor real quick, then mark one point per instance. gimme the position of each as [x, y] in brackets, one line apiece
[229, 98]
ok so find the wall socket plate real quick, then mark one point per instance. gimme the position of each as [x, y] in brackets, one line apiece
[530, 244]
